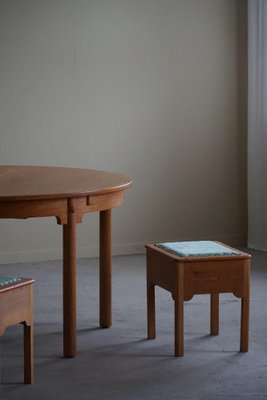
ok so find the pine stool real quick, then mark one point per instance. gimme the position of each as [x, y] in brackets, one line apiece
[198, 267]
[16, 298]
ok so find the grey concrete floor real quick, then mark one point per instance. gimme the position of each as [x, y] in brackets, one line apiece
[119, 362]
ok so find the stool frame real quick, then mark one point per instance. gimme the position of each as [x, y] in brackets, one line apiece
[16, 306]
[186, 277]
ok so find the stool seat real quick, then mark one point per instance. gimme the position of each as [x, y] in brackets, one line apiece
[201, 248]
[8, 280]
[16, 298]
[189, 268]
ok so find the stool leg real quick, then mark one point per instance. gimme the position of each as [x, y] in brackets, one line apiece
[214, 314]
[179, 326]
[28, 353]
[244, 324]
[151, 317]
[179, 313]
[244, 331]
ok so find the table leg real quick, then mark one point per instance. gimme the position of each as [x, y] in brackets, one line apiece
[105, 265]
[69, 283]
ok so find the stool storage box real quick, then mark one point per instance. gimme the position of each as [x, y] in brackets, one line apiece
[16, 306]
[197, 267]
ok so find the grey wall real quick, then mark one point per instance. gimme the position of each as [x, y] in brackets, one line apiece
[147, 88]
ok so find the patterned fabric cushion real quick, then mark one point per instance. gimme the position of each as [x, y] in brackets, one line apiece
[7, 280]
[200, 248]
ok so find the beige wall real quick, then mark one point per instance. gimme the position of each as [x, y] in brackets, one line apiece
[148, 88]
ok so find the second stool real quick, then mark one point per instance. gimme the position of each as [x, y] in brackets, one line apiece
[16, 300]
[197, 267]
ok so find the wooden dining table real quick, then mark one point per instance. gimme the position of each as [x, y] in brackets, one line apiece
[67, 194]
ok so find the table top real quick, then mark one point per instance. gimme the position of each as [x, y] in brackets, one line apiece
[41, 182]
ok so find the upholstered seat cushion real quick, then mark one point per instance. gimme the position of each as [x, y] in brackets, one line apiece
[198, 248]
[7, 280]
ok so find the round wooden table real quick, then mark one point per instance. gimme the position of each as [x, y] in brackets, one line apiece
[67, 193]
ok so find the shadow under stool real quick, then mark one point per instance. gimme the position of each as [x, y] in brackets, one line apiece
[197, 267]
[16, 306]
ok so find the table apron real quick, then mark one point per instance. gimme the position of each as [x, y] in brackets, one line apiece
[35, 208]
[60, 208]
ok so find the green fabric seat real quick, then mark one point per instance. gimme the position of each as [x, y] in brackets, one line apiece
[7, 280]
[198, 248]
